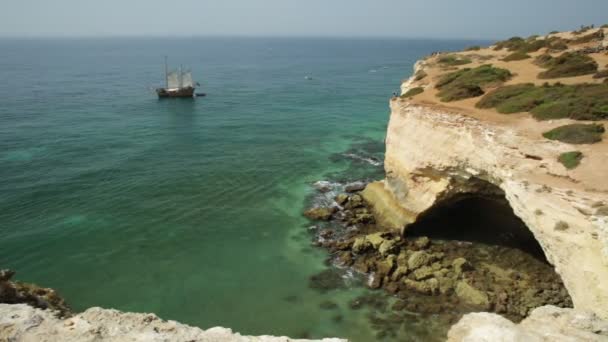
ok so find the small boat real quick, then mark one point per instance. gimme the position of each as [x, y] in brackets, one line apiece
[178, 83]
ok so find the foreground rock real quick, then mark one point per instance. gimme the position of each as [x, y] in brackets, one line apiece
[546, 324]
[21, 322]
[13, 292]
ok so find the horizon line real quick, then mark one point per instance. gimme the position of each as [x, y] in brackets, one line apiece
[182, 36]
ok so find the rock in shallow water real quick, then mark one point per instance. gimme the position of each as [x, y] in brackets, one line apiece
[471, 295]
[320, 214]
[355, 187]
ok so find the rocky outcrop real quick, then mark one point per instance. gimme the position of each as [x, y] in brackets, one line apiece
[20, 322]
[434, 155]
[14, 292]
[545, 324]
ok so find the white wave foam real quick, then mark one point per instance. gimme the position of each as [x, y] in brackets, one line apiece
[371, 161]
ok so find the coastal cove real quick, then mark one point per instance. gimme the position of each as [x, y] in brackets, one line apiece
[192, 209]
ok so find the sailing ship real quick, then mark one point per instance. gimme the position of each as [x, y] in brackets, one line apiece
[178, 83]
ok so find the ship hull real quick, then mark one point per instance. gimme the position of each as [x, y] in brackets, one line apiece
[187, 92]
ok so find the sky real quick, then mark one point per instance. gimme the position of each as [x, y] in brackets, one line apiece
[473, 19]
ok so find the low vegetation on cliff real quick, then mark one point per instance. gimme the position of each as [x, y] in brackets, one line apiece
[569, 64]
[578, 102]
[570, 159]
[453, 60]
[413, 92]
[467, 83]
[576, 133]
[516, 56]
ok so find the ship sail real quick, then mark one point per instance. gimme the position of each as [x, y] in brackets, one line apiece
[173, 80]
[187, 79]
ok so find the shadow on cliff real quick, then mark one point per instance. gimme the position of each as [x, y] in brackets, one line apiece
[479, 219]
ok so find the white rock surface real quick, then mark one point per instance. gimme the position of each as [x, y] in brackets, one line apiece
[22, 323]
[545, 324]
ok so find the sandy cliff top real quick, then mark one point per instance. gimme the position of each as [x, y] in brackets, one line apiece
[590, 174]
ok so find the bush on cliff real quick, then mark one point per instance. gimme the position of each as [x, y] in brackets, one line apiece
[578, 102]
[453, 60]
[516, 56]
[413, 92]
[595, 36]
[576, 133]
[467, 83]
[569, 64]
[570, 159]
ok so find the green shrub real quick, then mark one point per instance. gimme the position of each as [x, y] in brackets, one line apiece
[569, 64]
[553, 32]
[597, 35]
[576, 133]
[531, 44]
[557, 44]
[467, 83]
[601, 74]
[605, 26]
[578, 102]
[570, 159]
[473, 48]
[413, 92]
[420, 75]
[511, 44]
[516, 56]
[453, 60]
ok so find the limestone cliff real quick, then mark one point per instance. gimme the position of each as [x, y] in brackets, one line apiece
[436, 151]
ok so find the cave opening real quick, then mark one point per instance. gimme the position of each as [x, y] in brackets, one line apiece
[485, 218]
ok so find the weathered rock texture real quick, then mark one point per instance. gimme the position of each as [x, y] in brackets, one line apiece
[546, 324]
[20, 322]
[435, 154]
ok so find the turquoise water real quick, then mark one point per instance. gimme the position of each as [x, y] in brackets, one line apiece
[190, 208]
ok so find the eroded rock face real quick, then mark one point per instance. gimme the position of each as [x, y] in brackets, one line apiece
[21, 322]
[547, 323]
[14, 292]
[434, 155]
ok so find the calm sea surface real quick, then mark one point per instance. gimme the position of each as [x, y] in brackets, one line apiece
[190, 208]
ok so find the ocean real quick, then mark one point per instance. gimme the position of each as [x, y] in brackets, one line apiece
[192, 209]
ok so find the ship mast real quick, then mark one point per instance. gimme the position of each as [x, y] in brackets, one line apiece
[181, 77]
[166, 74]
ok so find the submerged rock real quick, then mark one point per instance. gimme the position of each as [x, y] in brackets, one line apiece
[326, 280]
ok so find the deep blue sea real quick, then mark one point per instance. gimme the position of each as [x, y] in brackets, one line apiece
[191, 209]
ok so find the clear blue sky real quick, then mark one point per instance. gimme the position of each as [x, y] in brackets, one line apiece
[402, 18]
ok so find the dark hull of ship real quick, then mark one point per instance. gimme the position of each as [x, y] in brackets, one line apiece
[181, 92]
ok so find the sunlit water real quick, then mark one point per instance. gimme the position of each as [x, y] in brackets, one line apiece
[190, 208]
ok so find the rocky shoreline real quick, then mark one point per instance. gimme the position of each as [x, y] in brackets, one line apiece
[446, 278]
